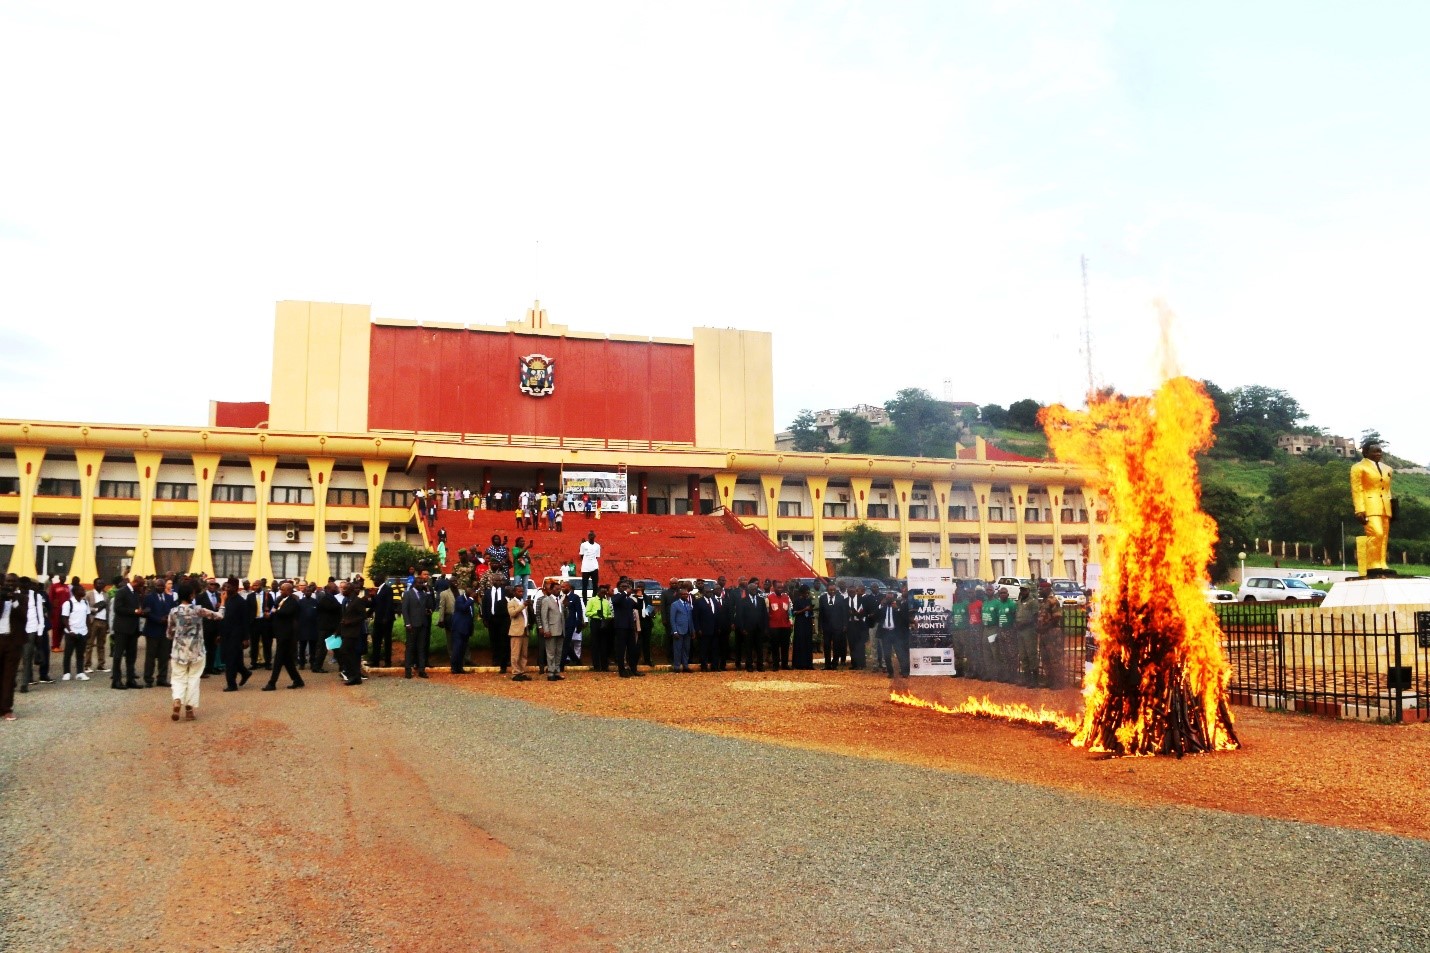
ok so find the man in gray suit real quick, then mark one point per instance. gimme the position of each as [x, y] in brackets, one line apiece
[550, 621]
[417, 619]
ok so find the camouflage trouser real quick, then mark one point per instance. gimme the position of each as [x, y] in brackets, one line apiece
[1028, 656]
[1050, 650]
[1005, 654]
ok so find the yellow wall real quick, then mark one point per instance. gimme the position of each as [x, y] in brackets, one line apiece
[320, 367]
[734, 389]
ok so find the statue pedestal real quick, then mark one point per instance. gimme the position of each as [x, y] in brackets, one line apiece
[1381, 593]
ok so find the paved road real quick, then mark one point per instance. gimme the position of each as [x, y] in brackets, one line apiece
[408, 815]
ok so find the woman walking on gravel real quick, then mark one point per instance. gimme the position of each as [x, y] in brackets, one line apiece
[186, 660]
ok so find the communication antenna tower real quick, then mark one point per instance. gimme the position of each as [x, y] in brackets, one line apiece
[948, 389]
[1086, 328]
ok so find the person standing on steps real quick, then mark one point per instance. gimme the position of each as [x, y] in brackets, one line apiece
[589, 554]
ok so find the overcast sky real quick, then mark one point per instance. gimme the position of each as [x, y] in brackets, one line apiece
[899, 192]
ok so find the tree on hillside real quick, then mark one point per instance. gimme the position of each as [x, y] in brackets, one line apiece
[993, 415]
[923, 426]
[866, 551]
[1273, 409]
[1311, 501]
[1233, 514]
[807, 437]
[1023, 414]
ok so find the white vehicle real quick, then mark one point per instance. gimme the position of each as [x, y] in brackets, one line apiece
[1014, 584]
[1214, 594]
[1278, 589]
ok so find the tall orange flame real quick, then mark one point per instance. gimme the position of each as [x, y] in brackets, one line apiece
[1159, 680]
[987, 708]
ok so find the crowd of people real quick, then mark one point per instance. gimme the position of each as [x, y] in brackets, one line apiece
[533, 510]
[194, 627]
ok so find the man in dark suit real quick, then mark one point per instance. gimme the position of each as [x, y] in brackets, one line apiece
[857, 627]
[307, 622]
[157, 644]
[417, 619]
[834, 624]
[497, 620]
[284, 629]
[209, 598]
[891, 622]
[384, 614]
[752, 617]
[260, 631]
[233, 635]
[574, 624]
[330, 616]
[703, 612]
[128, 604]
[623, 614]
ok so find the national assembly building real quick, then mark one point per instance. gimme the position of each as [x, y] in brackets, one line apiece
[665, 446]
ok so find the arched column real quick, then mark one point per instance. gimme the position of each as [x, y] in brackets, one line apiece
[146, 464]
[981, 492]
[22, 558]
[205, 471]
[861, 487]
[88, 462]
[374, 476]
[1020, 502]
[1056, 494]
[941, 491]
[320, 473]
[725, 489]
[261, 565]
[903, 493]
[770, 485]
[818, 489]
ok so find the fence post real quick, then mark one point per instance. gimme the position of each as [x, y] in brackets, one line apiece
[1399, 682]
[1280, 662]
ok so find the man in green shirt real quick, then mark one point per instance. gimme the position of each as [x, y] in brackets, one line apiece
[599, 615]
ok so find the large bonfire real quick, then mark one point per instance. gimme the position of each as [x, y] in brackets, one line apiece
[1159, 680]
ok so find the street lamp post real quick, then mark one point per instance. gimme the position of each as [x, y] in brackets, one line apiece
[45, 557]
[1242, 556]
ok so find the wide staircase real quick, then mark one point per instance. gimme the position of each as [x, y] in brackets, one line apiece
[641, 547]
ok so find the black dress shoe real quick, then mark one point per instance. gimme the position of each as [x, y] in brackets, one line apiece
[270, 687]
[358, 682]
[321, 671]
[163, 685]
[132, 684]
[625, 675]
[233, 688]
[243, 677]
[297, 685]
[406, 674]
[635, 674]
[421, 674]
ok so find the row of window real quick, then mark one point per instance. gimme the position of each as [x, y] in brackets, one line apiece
[287, 565]
[882, 511]
[222, 493]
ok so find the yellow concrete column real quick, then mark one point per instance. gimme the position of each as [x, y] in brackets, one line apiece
[22, 557]
[146, 463]
[261, 566]
[725, 489]
[818, 490]
[320, 473]
[903, 493]
[770, 492]
[1020, 500]
[1056, 494]
[374, 474]
[205, 470]
[861, 487]
[88, 462]
[981, 493]
[941, 492]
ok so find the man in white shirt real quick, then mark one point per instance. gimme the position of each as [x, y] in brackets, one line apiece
[590, 558]
[97, 645]
[75, 612]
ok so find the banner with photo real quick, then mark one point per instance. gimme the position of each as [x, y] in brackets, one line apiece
[930, 615]
[578, 486]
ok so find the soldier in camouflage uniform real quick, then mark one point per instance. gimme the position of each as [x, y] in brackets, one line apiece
[464, 573]
[1050, 636]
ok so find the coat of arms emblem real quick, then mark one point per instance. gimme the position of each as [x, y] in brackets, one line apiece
[538, 375]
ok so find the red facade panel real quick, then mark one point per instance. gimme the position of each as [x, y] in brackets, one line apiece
[455, 381]
[246, 414]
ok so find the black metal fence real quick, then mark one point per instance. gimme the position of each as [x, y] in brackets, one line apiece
[1344, 663]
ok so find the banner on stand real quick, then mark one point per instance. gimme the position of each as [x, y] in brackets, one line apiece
[580, 486]
[930, 622]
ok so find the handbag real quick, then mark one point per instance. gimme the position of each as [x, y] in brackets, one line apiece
[333, 642]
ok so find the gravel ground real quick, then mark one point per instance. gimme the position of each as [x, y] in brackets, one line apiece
[408, 815]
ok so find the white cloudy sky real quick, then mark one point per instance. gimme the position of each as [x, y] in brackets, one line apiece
[899, 191]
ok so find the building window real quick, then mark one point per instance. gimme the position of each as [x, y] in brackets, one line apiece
[995, 514]
[1067, 514]
[231, 562]
[224, 493]
[290, 565]
[960, 568]
[836, 511]
[346, 497]
[682, 505]
[346, 565]
[657, 506]
[402, 498]
[745, 508]
[997, 566]
[119, 489]
[291, 494]
[878, 511]
[919, 511]
[958, 512]
[1030, 514]
[175, 491]
[790, 508]
[9, 485]
[50, 487]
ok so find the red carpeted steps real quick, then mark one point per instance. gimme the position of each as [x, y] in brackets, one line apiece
[642, 547]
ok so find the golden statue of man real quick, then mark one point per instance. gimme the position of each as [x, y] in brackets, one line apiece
[1370, 495]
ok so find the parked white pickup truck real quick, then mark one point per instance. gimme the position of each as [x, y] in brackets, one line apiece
[1014, 584]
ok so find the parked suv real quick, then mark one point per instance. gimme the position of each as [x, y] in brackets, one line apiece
[1278, 589]
[1068, 592]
